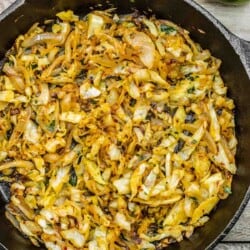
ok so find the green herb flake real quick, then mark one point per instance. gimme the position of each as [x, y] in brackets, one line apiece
[191, 77]
[194, 199]
[10, 63]
[33, 65]
[93, 101]
[132, 102]
[167, 29]
[52, 126]
[141, 157]
[193, 141]
[227, 190]
[150, 115]
[73, 177]
[191, 90]
[179, 146]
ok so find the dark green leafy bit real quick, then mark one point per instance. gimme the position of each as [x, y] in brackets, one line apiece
[52, 126]
[194, 199]
[141, 157]
[82, 75]
[123, 237]
[190, 118]
[93, 101]
[170, 110]
[73, 177]
[194, 141]
[153, 229]
[191, 90]
[73, 144]
[10, 63]
[150, 115]
[167, 29]
[191, 77]
[46, 182]
[214, 77]
[187, 133]
[219, 111]
[114, 77]
[179, 146]
[227, 190]
[132, 102]
[33, 65]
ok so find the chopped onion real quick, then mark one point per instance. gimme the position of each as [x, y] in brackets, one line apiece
[122, 221]
[88, 91]
[122, 185]
[133, 91]
[74, 236]
[114, 152]
[222, 160]
[214, 124]
[60, 178]
[140, 112]
[31, 133]
[95, 23]
[145, 47]
[71, 117]
[45, 37]
[152, 28]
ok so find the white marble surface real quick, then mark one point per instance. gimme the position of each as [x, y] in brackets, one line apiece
[5, 4]
[237, 20]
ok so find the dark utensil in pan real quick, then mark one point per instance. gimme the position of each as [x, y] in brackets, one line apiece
[235, 55]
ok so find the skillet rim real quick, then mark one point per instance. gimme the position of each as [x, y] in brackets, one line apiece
[240, 46]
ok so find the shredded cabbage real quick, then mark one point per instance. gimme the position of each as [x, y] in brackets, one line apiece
[116, 133]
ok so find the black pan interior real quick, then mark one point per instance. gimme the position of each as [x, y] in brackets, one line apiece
[233, 72]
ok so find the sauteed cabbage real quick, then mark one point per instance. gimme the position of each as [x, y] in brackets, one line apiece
[116, 132]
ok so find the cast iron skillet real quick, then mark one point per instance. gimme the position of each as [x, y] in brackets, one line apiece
[235, 55]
